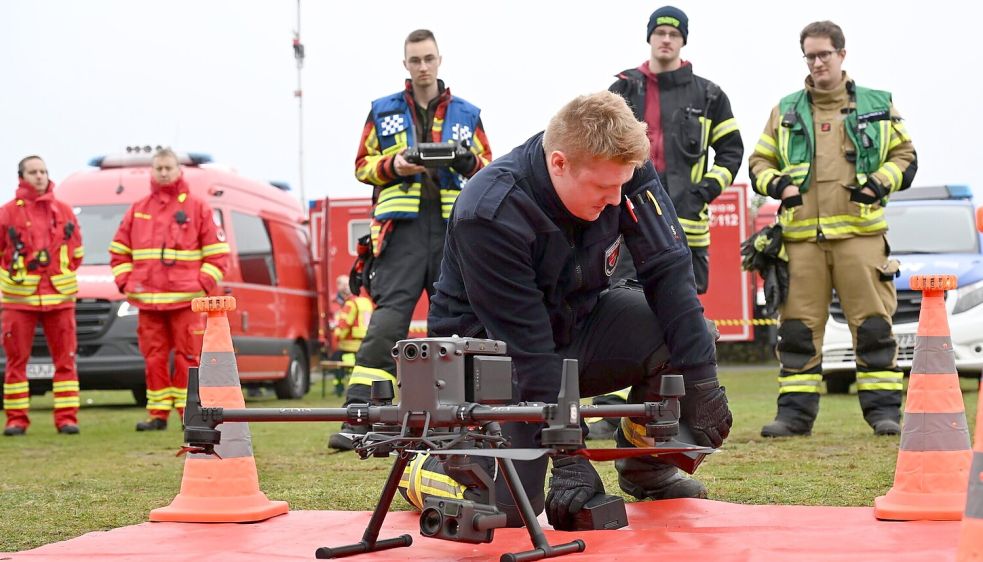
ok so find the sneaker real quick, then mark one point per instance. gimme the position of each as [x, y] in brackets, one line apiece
[342, 440]
[69, 429]
[152, 424]
[782, 428]
[886, 427]
[14, 430]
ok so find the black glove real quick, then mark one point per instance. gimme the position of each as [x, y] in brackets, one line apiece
[858, 196]
[709, 190]
[704, 410]
[464, 160]
[778, 185]
[574, 483]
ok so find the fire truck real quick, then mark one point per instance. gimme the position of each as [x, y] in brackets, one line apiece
[337, 224]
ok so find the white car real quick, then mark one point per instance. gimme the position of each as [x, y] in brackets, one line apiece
[932, 230]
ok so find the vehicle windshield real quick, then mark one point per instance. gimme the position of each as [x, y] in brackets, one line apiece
[99, 224]
[932, 229]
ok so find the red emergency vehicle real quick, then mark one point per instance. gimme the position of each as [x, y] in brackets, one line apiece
[271, 274]
[337, 224]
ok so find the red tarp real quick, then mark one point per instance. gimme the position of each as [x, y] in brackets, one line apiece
[680, 529]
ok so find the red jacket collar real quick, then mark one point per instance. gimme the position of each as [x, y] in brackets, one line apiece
[27, 192]
[170, 190]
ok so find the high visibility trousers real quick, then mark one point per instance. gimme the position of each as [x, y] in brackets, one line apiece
[159, 332]
[18, 337]
[853, 267]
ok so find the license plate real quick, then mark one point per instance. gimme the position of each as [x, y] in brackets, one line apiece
[905, 340]
[40, 371]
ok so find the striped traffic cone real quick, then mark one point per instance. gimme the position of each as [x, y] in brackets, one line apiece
[971, 534]
[930, 478]
[222, 488]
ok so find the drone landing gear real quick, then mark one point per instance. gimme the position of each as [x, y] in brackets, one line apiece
[543, 548]
[370, 542]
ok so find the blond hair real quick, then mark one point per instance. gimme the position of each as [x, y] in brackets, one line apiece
[598, 126]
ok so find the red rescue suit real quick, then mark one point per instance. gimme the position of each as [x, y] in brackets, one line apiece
[40, 249]
[167, 251]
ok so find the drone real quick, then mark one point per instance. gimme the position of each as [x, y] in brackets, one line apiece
[454, 395]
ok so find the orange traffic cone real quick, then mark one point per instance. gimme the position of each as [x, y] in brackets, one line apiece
[223, 488]
[971, 534]
[933, 461]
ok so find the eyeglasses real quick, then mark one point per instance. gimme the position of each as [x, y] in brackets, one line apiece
[417, 62]
[667, 34]
[823, 56]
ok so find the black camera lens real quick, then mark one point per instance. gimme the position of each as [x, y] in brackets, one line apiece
[430, 522]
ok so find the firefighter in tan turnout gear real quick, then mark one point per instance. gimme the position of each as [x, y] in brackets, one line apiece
[833, 153]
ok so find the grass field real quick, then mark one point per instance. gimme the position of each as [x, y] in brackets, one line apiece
[55, 487]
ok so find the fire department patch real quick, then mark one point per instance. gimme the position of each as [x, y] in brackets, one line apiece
[392, 124]
[611, 257]
[825, 127]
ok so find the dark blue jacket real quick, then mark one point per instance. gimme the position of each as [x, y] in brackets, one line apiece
[518, 267]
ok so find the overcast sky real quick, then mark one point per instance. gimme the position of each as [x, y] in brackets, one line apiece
[83, 78]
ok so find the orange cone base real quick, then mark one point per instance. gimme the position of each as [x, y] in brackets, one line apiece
[906, 506]
[234, 509]
[971, 541]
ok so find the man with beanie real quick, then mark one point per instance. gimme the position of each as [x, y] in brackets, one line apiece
[832, 153]
[686, 115]
[40, 250]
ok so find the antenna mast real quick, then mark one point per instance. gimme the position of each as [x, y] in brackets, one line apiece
[299, 94]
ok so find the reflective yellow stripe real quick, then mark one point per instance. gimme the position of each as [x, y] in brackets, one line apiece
[696, 172]
[168, 254]
[65, 386]
[394, 200]
[721, 175]
[118, 248]
[447, 199]
[800, 383]
[764, 180]
[16, 387]
[767, 147]
[16, 403]
[723, 128]
[893, 173]
[122, 268]
[880, 380]
[215, 249]
[212, 271]
[79, 252]
[164, 298]
[39, 300]
[836, 225]
[366, 375]
[67, 402]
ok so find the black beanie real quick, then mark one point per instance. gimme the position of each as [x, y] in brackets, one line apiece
[668, 15]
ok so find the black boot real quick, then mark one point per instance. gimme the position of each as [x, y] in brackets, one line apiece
[342, 440]
[785, 428]
[152, 424]
[656, 481]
